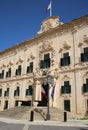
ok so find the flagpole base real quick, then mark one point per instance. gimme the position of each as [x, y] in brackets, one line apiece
[48, 117]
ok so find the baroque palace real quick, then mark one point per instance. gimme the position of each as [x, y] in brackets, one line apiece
[58, 49]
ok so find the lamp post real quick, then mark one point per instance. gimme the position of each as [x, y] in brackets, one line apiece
[48, 81]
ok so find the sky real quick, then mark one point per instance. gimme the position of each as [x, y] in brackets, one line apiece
[21, 19]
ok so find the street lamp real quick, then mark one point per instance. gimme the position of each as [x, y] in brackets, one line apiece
[48, 81]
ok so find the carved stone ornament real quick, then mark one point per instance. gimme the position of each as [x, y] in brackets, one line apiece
[32, 56]
[49, 23]
[30, 82]
[4, 65]
[86, 39]
[46, 46]
[66, 45]
[86, 74]
[66, 77]
[20, 59]
[10, 62]
[80, 44]
[37, 73]
[60, 50]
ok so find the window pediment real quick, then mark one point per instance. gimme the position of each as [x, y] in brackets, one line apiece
[46, 46]
[86, 39]
[31, 57]
[66, 46]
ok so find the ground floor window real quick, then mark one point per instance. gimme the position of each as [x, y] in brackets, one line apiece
[6, 105]
[16, 103]
[67, 105]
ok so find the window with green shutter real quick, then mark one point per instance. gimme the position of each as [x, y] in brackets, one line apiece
[18, 70]
[65, 61]
[17, 92]
[66, 88]
[6, 93]
[85, 87]
[84, 56]
[30, 68]
[29, 91]
[46, 62]
[2, 74]
[0, 92]
[8, 73]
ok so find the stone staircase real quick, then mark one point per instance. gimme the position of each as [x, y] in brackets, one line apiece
[24, 112]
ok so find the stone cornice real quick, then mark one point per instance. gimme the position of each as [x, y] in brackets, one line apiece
[67, 26]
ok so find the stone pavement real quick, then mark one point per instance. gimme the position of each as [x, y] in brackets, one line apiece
[73, 123]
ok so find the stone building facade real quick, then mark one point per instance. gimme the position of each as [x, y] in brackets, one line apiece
[59, 50]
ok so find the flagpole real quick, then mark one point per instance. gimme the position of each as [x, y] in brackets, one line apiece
[51, 9]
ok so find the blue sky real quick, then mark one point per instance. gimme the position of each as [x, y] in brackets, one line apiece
[21, 19]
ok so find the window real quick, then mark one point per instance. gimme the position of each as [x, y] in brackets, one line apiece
[46, 62]
[29, 91]
[16, 103]
[67, 105]
[85, 87]
[65, 61]
[0, 92]
[66, 88]
[18, 71]
[2, 74]
[8, 73]
[6, 105]
[6, 93]
[30, 68]
[84, 56]
[17, 92]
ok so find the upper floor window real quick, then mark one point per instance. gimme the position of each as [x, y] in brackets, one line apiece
[84, 55]
[18, 71]
[8, 73]
[2, 74]
[85, 87]
[17, 92]
[66, 88]
[65, 61]
[6, 93]
[0, 92]
[29, 91]
[30, 68]
[46, 62]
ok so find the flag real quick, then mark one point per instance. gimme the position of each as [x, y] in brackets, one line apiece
[42, 92]
[48, 7]
[53, 90]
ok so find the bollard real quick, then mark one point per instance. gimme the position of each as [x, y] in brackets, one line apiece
[32, 116]
[65, 116]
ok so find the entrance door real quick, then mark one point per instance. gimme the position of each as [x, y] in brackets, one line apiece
[67, 105]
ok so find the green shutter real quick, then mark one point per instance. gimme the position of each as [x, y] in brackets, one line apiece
[46, 56]
[62, 89]
[41, 64]
[0, 92]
